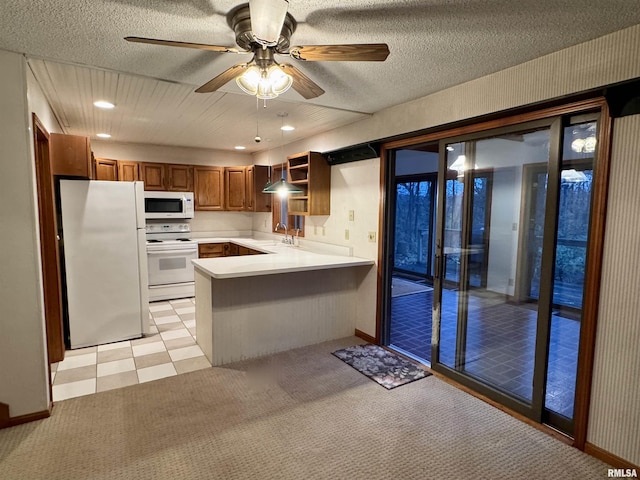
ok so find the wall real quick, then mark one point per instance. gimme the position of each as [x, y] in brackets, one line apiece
[160, 153]
[23, 375]
[615, 402]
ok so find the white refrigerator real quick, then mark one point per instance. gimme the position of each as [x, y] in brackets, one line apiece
[105, 261]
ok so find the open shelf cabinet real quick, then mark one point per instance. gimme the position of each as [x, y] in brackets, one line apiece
[310, 172]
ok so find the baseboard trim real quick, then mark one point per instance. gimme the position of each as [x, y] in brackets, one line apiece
[608, 457]
[6, 421]
[366, 337]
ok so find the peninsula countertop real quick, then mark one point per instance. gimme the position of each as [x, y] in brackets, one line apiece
[277, 258]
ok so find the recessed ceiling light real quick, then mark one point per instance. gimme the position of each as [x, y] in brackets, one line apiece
[239, 147]
[103, 104]
[103, 135]
[287, 128]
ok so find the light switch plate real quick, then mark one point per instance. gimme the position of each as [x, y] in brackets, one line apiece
[371, 236]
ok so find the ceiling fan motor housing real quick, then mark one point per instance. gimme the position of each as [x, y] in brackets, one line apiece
[239, 20]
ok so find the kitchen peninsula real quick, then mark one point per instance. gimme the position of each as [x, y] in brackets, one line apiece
[289, 297]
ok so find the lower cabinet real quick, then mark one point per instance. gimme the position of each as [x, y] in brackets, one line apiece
[225, 249]
[213, 250]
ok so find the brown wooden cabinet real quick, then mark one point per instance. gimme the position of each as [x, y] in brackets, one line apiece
[153, 175]
[213, 250]
[311, 172]
[208, 188]
[70, 155]
[234, 188]
[179, 178]
[128, 171]
[106, 169]
[243, 189]
[256, 177]
[226, 249]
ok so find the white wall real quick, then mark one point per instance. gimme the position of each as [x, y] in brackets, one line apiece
[23, 371]
[615, 401]
[164, 154]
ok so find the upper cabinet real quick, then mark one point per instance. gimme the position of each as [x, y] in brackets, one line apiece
[167, 177]
[179, 178]
[70, 155]
[310, 172]
[256, 177]
[128, 171]
[243, 189]
[208, 188]
[106, 169]
[153, 175]
[235, 188]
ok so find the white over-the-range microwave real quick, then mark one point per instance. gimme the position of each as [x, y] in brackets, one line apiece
[159, 205]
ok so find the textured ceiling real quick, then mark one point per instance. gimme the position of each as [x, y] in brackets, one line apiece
[434, 44]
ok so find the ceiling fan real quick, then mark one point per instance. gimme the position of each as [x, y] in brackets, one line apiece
[264, 28]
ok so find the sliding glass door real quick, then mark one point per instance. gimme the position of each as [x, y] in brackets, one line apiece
[514, 210]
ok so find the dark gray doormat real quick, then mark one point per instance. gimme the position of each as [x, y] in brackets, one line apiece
[380, 365]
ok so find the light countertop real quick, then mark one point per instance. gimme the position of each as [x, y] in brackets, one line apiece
[278, 258]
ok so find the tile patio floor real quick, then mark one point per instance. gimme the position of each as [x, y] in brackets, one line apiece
[499, 347]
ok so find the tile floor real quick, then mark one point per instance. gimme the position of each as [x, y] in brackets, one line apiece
[170, 349]
[500, 343]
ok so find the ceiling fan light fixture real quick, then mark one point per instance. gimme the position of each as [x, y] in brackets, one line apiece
[267, 18]
[265, 83]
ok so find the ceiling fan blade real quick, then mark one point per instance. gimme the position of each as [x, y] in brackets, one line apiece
[363, 52]
[301, 83]
[267, 18]
[170, 43]
[225, 77]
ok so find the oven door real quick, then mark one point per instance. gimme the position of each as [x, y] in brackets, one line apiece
[170, 265]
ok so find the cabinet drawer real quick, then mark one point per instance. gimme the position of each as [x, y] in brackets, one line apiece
[212, 250]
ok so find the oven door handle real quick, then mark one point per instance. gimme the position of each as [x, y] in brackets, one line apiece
[172, 252]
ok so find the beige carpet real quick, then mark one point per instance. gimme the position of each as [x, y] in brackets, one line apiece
[302, 414]
[400, 286]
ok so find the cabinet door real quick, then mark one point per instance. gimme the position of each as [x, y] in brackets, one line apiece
[233, 249]
[180, 178]
[128, 171]
[209, 188]
[70, 155]
[261, 201]
[234, 188]
[211, 250]
[106, 169]
[249, 189]
[153, 175]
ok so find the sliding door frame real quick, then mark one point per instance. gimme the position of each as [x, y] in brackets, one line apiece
[595, 240]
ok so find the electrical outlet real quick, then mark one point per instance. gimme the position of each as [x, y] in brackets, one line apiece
[346, 234]
[371, 237]
[315, 229]
[265, 224]
[324, 232]
[351, 215]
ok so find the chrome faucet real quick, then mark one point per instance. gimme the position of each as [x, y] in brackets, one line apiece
[280, 226]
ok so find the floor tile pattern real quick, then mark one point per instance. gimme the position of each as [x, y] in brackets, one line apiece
[499, 347]
[170, 349]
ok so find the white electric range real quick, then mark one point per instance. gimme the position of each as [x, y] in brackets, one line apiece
[170, 250]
